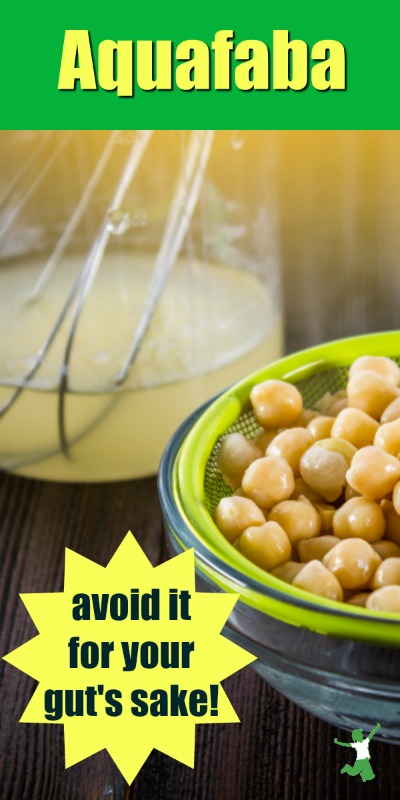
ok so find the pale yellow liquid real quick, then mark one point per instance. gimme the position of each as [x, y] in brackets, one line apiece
[213, 325]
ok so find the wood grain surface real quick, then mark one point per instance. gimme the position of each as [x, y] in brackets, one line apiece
[277, 750]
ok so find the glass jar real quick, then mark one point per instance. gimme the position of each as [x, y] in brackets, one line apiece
[139, 275]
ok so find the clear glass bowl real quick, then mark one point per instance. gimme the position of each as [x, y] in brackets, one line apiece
[337, 662]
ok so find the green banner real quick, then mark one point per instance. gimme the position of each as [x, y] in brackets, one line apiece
[211, 65]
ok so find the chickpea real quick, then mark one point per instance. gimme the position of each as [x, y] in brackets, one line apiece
[328, 400]
[268, 480]
[316, 578]
[353, 562]
[298, 520]
[345, 449]
[290, 445]
[323, 403]
[286, 572]
[396, 497]
[304, 418]
[354, 426]
[234, 456]
[359, 599]
[302, 489]
[360, 518]
[385, 366]
[370, 392]
[392, 411]
[338, 407]
[392, 530]
[386, 549]
[262, 440]
[387, 574]
[326, 512]
[324, 470]
[303, 499]
[385, 599]
[387, 437]
[373, 472]
[234, 514]
[340, 395]
[266, 545]
[320, 427]
[310, 549]
[276, 403]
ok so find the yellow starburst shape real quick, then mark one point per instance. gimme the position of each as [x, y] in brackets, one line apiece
[129, 657]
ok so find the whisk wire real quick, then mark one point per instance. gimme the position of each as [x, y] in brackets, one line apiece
[89, 271]
[27, 166]
[183, 205]
[54, 259]
[19, 205]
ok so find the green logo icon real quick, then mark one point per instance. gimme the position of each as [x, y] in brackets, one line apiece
[362, 764]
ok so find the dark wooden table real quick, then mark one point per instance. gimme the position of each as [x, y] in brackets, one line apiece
[277, 751]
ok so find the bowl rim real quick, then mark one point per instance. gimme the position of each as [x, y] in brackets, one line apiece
[181, 479]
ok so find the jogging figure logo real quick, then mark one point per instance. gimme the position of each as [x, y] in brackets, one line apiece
[362, 764]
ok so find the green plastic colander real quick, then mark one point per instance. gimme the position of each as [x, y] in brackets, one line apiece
[198, 487]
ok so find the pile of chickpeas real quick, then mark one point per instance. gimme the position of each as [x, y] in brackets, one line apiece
[316, 493]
